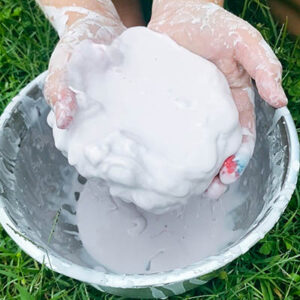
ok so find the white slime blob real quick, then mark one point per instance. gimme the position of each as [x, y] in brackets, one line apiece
[155, 121]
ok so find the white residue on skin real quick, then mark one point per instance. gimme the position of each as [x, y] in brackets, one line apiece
[245, 131]
[269, 52]
[251, 94]
[59, 16]
[188, 15]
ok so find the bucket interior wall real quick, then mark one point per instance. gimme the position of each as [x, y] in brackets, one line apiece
[39, 189]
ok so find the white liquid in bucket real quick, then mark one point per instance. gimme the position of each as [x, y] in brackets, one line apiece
[125, 239]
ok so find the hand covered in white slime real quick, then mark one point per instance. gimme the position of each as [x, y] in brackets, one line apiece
[75, 21]
[150, 118]
[239, 51]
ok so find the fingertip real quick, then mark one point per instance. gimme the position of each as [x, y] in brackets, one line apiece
[63, 116]
[65, 109]
[231, 170]
[279, 99]
[272, 92]
[268, 81]
[216, 189]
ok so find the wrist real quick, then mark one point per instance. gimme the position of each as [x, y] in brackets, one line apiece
[89, 21]
[158, 4]
[98, 29]
[64, 14]
[218, 2]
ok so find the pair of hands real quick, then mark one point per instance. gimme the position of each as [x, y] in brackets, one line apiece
[204, 28]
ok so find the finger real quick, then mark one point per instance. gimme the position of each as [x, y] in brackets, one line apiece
[61, 99]
[57, 94]
[216, 189]
[235, 165]
[256, 56]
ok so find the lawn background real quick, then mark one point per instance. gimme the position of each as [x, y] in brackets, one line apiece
[270, 270]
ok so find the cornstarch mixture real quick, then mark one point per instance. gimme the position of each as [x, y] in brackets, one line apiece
[155, 122]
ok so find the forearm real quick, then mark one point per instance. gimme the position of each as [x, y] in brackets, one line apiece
[63, 13]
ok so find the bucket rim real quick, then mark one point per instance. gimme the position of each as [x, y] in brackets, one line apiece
[198, 269]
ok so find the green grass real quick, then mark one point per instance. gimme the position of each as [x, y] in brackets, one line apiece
[270, 270]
